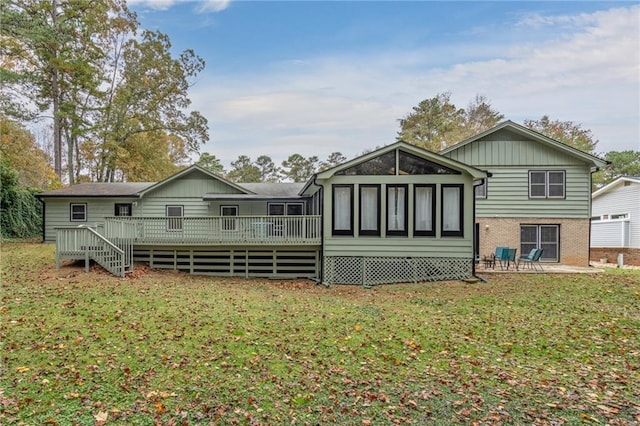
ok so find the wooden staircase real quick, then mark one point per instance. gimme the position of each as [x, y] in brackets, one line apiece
[83, 242]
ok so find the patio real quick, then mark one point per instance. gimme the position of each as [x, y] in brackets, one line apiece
[549, 268]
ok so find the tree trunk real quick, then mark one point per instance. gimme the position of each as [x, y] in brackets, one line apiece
[55, 93]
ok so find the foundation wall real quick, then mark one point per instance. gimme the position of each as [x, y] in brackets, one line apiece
[574, 236]
[631, 256]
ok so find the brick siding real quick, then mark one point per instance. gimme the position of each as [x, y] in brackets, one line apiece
[631, 256]
[574, 236]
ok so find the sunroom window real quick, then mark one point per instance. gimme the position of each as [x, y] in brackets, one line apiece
[397, 203]
[342, 216]
[452, 210]
[424, 210]
[369, 209]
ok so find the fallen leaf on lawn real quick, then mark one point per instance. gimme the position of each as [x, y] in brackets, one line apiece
[589, 418]
[101, 417]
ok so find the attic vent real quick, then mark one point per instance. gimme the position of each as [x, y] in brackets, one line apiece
[627, 183]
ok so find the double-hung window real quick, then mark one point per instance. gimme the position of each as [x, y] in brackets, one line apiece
[481, 190]
[546, 184]
[424, 207]
[370, 210]
[342, 214]
[78, 212]
[174, 217]
[397, 204]
[229, 218]
[123, 209]
[452, 210]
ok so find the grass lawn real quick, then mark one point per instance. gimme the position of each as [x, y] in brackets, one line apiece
[169, 348]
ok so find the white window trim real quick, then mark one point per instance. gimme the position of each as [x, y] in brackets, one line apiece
[546, 185]
[482, 196]
[229, 224]
[85, 213]
[174, 223]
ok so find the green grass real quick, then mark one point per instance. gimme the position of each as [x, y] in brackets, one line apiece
[169, 348]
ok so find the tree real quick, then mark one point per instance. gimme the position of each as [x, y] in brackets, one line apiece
[54, 59]
[149, 157]
[623, 163]
[211, 163]
[431, 124]
[567, 132]
[268, 170]
[21, 153]
[479, 116]
[333, 160]
[437, 123]
[20, 212]
[244, 170]
[148, 95]
[299, 169]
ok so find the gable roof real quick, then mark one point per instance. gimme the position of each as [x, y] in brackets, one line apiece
[406, 147]
[613, 185]
[538, 137]
[99, 189]
[191, 169]
[132, 189]
[411, 149]
[261, 191]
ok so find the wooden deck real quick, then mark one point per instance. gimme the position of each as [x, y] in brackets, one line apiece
[216, 231]
[271, 246]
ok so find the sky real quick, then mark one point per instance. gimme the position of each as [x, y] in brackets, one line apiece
[316, 77]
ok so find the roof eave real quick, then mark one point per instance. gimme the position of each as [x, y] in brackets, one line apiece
[191, 169]
[596, 161]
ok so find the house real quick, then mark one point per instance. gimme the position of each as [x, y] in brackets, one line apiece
[615, 221]
[397, 214]
[538, 196]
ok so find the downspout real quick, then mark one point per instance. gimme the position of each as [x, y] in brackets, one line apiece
[592, 171]
[321, 206]
[473, 258]
[44, 211]
[473, 236]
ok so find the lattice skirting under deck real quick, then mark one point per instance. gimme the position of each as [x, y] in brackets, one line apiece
[370, 271]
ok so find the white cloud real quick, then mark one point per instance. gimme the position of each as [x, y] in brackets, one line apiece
[152, 4]
[588, 72]
[202, 6]
[212, 5]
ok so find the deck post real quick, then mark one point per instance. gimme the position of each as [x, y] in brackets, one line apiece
[246, 263]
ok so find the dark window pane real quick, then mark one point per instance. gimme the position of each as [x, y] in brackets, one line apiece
[537, 177]
[412, 165]
[384, 164]
[276, 209]
[294, 209]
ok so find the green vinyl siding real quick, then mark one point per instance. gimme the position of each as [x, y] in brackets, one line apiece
[192, 185]
[508, 195]
[58, 212]
[505, 153]
[398, 246]
[156, 206]
[509, 157]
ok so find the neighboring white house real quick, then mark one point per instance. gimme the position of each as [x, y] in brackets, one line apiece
[615, 220]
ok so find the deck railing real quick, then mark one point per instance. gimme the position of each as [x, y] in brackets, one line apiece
[226, 230]
[82, 242]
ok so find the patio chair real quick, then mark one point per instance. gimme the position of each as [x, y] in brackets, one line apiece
[526, 259]
[508, 256]
[536, 260]
[497, 256]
